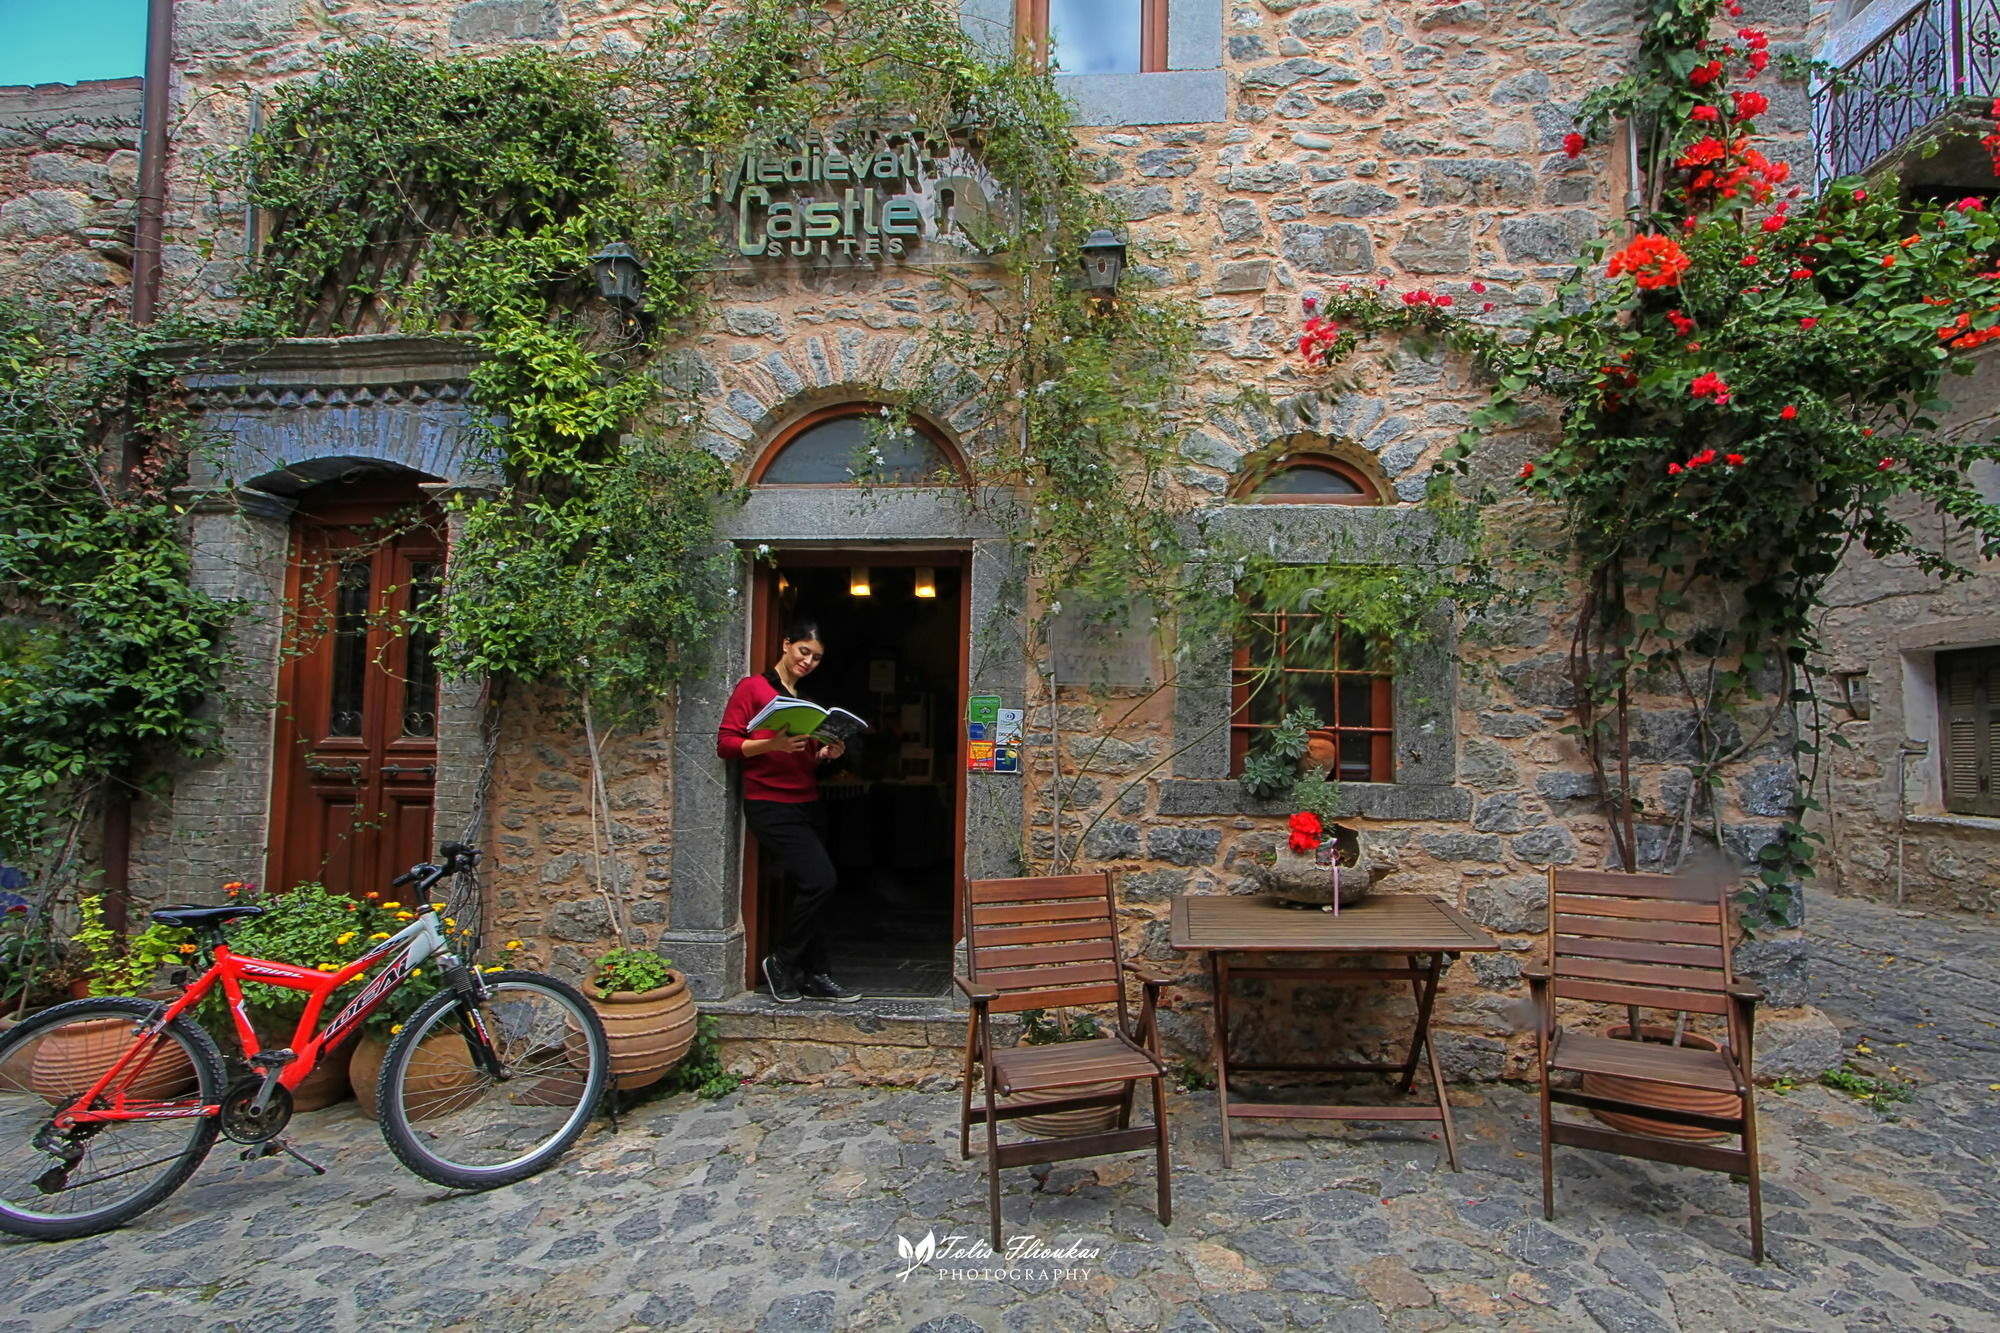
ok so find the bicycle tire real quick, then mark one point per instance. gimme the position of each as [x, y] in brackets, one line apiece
[449, 1112]
[35, 1075]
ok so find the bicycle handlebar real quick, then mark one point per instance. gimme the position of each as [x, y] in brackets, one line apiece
[457, 856]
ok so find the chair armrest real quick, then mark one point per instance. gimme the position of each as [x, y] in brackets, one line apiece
[1753, 994]
[975, 992]
[1147, 975]
[1535, 973]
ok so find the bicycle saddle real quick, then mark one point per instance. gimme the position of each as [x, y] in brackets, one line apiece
[203, 917]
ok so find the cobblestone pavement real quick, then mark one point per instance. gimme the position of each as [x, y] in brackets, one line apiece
[779, 1209]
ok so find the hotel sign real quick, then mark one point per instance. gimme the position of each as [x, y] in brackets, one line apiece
[860, 201]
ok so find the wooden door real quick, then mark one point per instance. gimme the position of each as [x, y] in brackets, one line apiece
[357, 715]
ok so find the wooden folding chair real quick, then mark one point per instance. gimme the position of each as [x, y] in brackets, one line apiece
[1646, 942]
[1042, 943]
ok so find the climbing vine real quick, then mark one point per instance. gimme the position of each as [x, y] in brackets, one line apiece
[106, 649]
[1749, 386]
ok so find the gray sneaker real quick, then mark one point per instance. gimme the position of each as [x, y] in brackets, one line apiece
[784, 982]
[820, 986]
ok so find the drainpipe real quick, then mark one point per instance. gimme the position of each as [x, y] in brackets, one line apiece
[152, 162]
[145, 301]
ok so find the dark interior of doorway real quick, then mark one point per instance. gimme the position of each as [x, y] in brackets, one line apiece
[893, 658]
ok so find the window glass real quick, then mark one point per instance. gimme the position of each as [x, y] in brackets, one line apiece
[835, 452]
[1094, 36]
[1308, 479]
[1288, 661]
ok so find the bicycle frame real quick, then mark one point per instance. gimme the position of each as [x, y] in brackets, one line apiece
[420, 941]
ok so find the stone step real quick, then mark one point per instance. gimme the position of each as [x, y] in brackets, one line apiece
[918, 1042]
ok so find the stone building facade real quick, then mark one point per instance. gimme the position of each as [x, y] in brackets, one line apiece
[1896, 825]
[1285, 147]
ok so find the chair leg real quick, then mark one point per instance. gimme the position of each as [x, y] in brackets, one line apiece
[993, 1166]
[965, 1101]
[1548, 1154]
[1756, 1174]
[1164, 1171]
[1125, 1107]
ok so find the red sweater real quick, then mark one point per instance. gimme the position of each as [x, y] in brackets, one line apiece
[774, 775]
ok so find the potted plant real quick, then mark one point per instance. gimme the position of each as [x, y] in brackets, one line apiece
[647, 1011]
[116, 965]
[1041, 1027]
[439, 1065]
[308, 926]
[1317, 855]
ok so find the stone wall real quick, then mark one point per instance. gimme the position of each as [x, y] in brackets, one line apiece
[1408, 144]
[1888, 833]
[69, 176]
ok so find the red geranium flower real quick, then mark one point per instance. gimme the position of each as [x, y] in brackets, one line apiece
[1527, 471]
[1750, 104]
[1706, 113]
[1673, 469]
[1708, 384]
[1970, 204]
[1307, 831]
[1789, 413]
[1574, 144]
[1703, 75]
[1653, 261]
[1733, 460]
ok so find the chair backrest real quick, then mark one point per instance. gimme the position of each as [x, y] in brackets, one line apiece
[1656, 941]
[1044, 942]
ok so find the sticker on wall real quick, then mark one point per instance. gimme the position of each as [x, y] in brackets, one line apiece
[1007, 741]
[982, 717]
[983, 708]
[979, 756]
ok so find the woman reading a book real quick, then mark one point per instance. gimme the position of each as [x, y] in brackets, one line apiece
[782, 807]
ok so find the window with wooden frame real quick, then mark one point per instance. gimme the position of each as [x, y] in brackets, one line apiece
[1095, 36]
[1308, 478]
[1291, 660]
[844, 446]
[1969, 707]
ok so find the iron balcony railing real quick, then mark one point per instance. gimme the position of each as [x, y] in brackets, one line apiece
[1941, 58]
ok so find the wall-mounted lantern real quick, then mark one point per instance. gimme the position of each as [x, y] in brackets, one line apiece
[1103, 258]
[857, 582]
[926, 585]
[621, 278]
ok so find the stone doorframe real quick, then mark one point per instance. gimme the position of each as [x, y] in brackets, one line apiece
[283, 416]
[706, 933]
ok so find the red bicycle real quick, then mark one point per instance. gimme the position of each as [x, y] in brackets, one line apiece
[108, 1105]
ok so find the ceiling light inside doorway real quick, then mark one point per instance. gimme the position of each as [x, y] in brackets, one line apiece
[857, 582]
[926, 581]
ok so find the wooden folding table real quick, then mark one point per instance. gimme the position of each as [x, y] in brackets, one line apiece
[1425, 933]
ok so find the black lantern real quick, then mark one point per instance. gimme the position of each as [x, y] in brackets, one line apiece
[1103, 258]
[621, 278]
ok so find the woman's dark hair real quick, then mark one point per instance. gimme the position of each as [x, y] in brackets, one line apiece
[801, 628]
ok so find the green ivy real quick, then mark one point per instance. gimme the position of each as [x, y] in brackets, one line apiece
[106, 649]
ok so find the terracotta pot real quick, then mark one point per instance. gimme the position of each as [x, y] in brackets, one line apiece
[650, 1031]
[1069, 1124]
[15, 1070]
[364, 1071]
[326, 1084]
[439, 1068]
[1700, 1101]
[1322, 749]
[69, 1059]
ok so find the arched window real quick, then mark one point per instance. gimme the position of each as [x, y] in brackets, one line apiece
[840, 446]
[1304, 478]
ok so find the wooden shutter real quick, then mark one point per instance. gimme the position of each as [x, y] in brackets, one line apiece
[1969, 695]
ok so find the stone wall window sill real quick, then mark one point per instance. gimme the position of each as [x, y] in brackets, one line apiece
[1970, 823]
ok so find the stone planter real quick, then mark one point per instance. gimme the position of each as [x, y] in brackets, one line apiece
[1306, 878]
[1069, 1124]
[1700, 1101]
[650, 1031]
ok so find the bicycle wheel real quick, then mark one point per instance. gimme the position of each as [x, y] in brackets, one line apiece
[57, 1184]
[452, 1122]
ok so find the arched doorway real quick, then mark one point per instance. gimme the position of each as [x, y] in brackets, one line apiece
[894, 619]
[355, 772]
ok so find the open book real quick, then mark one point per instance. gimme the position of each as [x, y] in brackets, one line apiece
[802, 717]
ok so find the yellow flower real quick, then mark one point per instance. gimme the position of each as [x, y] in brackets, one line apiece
[379, 935]
[437, 907]
[494, 968]
[342, 939]
[405, 916]
[513, 944]
[394, 1030]
[329, 967]
[187, 948]
[449, 922]
[387, 906]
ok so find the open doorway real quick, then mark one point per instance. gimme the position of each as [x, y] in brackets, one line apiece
[894, 626]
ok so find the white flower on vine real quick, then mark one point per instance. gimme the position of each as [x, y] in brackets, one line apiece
[763, 549]
[885, 409]
[1055, 608]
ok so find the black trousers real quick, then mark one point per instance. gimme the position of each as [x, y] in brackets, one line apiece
[791, 837]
